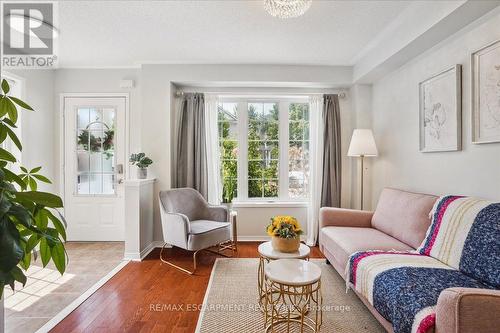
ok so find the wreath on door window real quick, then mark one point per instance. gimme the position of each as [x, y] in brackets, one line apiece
[95, 144]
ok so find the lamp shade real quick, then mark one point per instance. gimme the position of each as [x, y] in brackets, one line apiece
[362, 143]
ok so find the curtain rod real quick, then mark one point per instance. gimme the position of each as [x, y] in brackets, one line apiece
[180, 93]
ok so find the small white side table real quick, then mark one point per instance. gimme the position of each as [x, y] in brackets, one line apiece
[267, 253]
[292, 290]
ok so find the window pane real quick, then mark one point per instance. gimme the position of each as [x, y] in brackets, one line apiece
[270, 169]
[255, 111]
[83, 162]
[271, 188]
[263, 130]
[254, 169]
[108, 161]
[270, 112]
[230, 189]
[95, 162]
[95, 150]
[255, 188]
[298, 129]
[228, 130]
[83, 183]
[229, 149]
[297, 188]
[83, 118]
[228, 112]
[298, 150]
[229, 169]
[299, 111]
[95, 183]
[228, 140]
[263, 149]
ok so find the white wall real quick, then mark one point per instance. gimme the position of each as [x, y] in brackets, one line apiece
[361, 117]
[472, 171]
[158, 82]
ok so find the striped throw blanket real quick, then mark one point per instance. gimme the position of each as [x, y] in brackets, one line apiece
[404, 286]
[465, 234]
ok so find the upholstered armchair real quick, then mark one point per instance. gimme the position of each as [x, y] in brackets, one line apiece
[190, 223]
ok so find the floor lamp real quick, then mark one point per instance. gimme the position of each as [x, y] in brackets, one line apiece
[362, 145]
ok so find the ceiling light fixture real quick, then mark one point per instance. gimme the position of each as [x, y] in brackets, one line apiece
[287, 8]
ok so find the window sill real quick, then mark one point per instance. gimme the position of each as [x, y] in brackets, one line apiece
[270, 204]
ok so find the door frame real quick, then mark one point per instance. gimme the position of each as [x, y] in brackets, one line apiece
[62, 132]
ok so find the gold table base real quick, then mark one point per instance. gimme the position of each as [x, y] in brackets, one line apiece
[261, 282]
[290, 305]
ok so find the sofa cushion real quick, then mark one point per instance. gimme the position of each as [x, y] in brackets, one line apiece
[404, 287]
[205, 234]
[344, 241]
[403, 215]
[465, 234]
[203, 226]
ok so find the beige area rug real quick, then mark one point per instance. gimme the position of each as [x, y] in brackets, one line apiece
[47, 292]
[231, 306]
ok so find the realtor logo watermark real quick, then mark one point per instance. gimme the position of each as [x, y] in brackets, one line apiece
[29, 33]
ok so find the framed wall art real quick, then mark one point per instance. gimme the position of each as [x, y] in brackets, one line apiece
[441, 111]
[485, 94]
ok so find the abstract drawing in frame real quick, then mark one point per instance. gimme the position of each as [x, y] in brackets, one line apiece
[441, 111]
[485, 94]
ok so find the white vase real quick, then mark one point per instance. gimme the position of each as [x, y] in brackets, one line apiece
[142, 173]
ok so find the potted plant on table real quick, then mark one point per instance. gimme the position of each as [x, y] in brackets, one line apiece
[28, 218]
[142, 162]
[285, 232]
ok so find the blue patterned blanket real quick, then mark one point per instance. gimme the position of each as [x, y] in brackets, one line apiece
[461, 249]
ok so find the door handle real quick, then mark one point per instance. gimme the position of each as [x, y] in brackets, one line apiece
[119, 169]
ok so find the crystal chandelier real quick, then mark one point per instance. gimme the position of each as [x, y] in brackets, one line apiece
[287, 8]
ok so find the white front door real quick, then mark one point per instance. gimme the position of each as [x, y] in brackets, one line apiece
[94, 166]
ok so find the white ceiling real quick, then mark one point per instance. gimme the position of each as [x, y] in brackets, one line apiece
[128, 33]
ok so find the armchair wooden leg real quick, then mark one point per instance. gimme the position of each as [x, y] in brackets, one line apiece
[178, 267]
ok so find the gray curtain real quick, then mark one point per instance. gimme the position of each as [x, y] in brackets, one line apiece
[190, 160]
[332, 155]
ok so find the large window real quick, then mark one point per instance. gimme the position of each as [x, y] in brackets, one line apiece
[264, 148]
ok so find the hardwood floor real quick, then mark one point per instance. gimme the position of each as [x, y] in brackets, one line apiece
[136, 299]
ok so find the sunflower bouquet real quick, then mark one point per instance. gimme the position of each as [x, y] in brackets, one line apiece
[284, 227]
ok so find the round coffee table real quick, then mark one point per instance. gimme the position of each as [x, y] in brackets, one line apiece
[267, 254]
[292, 287]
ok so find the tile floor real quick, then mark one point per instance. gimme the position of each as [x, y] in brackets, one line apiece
[47, 292]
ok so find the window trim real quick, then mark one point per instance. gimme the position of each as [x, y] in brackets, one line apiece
[242, 199]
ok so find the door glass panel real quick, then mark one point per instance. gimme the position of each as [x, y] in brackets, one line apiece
[83, 183]
[95, 150]
[95, 183]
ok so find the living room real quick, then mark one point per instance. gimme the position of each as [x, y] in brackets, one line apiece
[232, 166]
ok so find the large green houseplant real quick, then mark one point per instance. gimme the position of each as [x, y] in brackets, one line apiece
[28, 218]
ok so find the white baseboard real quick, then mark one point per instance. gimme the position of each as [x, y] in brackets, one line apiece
[76, 303]
[139, 256]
